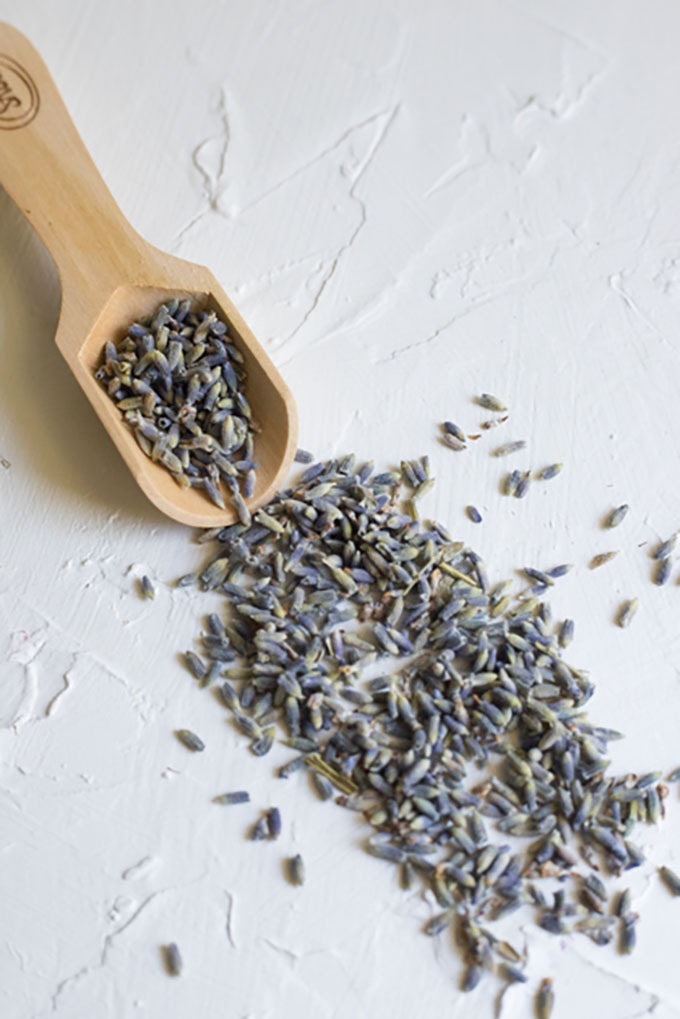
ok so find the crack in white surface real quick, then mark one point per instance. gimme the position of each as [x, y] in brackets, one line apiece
[655, 999]
[288, 954]
[140, 869]
[435, 334]
[64, 985]
[351, 989]
[494, 292]
[562, 107]
[477, 154]
[213, 181]
[212, 178]
[329, 150]
[189, 226]
[52, 703]
[255, 283]
[342, 434]
[110, 939]
[387, 120]
[616, 284]
[647, 1011]
[29, 695]
[231, 906]
[473, 136]
[359, 317]
[25, 651]
[27, 646]
[140, 701]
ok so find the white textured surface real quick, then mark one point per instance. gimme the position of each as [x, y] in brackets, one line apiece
[411, 203]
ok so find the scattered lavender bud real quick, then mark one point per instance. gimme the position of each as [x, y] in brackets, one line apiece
[511, 483]
[549, 472]
[628, 610]
[274, 822]
[296, 870]
[190, 740]
[616, 516]
[566, 633]
[662, 572]
[670, 879]
[545, 999]
[523, 486]
[453, 442]
[260, 830]
[601, 559]
[490, 402]
[509, 448]
[172, 959]
[666, 548]
[228, 799]
[472, 977]
[452, 429]
[559, 571]
[628, 933]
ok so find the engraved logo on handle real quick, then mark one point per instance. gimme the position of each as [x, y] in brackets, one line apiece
[19, 98]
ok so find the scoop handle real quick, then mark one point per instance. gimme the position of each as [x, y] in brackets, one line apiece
[47, 171]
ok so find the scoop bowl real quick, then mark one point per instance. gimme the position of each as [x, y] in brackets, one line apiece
[111, 277]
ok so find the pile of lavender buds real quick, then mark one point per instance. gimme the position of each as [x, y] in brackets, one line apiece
[178, 381]
[376, 646]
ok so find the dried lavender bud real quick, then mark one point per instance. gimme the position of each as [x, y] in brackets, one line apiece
[480, 685]
[190, 740]
[296, 870]
[229, 799]
[178, 379]
[549, 472]
[601, 559]
[616, 516]
[452, 429]
[491, 402]
[172, 959]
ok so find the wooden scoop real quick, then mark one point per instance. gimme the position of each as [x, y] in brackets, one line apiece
[111, 277]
